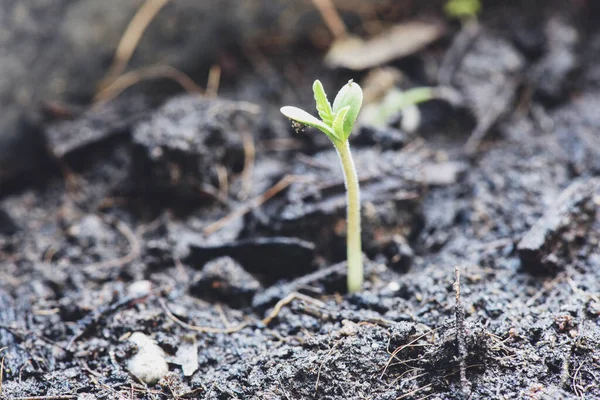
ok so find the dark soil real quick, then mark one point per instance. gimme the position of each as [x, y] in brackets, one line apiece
[189, 221]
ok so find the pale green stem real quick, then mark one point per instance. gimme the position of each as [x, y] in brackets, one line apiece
[355, 258]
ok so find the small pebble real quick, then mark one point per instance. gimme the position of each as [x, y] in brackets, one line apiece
[349, 328]
[139, 288]
[149, 363]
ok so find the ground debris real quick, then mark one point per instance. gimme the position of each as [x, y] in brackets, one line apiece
[269, 257]
[399, 41]
[488, 77]
[330, 279]
[553, 238]
[224, 280]
[187, 355]
[96, 125]
[177, 150]
[550, 76]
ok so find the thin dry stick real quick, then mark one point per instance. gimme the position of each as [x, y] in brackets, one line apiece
[222, 178]
[287, 300]
[574, 385]
[202, 329]
[412, 378]
[60, 397]
[222, 316]
[400, 348]
[249, 157]
[2, 371]
[321, 367]
[417, 390]
[459, 312]
[331, 17]
[257, 202]
[124, 81]
[131, 38]
[214, 80]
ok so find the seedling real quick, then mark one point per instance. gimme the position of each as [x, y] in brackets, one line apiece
[463, 9]
[337, 123]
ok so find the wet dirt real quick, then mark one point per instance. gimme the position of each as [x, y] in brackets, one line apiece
[211, 227]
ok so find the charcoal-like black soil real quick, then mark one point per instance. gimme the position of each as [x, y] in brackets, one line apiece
[210, 226]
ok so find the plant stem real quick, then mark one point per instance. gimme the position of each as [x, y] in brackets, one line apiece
[354, 251]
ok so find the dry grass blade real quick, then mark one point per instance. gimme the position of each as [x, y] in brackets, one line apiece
[59, 397]
[249, 158]
[400, 348]
[287, 300]
[331, 17]
[2, 370]
[417, 390]
[214, 80]
[124, 81]
[460, 334]
[202, 329]
[257, 202]
[131, 38]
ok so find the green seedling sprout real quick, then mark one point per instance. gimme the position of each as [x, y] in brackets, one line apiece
[463, 9]
[337, 122]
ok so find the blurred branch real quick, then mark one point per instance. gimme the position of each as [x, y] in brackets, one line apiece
[131, 37]
[156, 71]
[331, 17]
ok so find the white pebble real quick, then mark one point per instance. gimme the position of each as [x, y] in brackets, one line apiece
[149, 364]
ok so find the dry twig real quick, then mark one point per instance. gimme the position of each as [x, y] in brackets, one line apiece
[287, 300]
[214, 79]
[118, 85]
[459, 312]
[400, 348]
[249, 157]
[59, 397]
[321, 367]
[331, 17]
[256, 202]
[202, 329]
[2, 370]
[131, 38]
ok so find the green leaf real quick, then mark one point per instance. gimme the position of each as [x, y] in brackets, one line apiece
[465, 9]
[323, 106]
[416, 96]
[298, 115]
[338, 123]
[349, 96]
[379, 114]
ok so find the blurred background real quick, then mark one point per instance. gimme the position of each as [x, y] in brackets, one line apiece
[60, 58]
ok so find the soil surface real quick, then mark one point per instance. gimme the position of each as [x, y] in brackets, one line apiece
[175, 247]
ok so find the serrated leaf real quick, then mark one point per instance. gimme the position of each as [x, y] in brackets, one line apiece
[298, 115]
[338, 123]
[323, 106]
[350, 95]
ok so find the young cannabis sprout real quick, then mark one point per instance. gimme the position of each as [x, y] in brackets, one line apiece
[337, 122]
